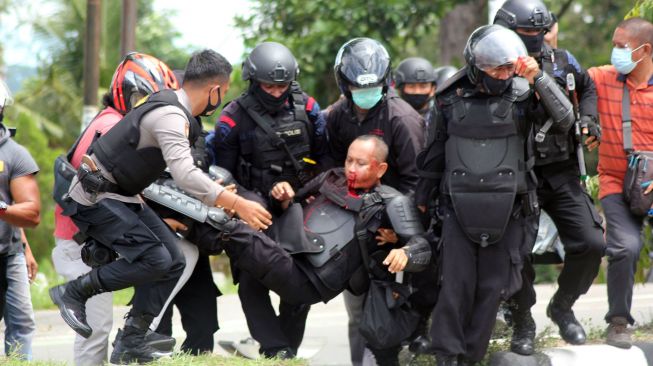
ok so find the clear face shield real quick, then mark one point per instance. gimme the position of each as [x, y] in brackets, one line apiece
[497, 52]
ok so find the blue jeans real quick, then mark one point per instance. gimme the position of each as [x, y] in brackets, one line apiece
[18, 313]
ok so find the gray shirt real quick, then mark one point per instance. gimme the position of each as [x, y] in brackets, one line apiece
[15, 162]
[167, 129]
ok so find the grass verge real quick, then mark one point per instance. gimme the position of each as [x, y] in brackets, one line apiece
[179, 360]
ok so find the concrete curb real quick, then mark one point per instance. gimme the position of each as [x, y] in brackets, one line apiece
[641, 354]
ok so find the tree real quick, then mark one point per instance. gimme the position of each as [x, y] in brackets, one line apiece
[48, 108]
[455, 28]
[643, 8]
[586, 27]
[315, 30]
[56, 92]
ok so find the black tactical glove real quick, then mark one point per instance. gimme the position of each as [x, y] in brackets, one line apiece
[593, 128]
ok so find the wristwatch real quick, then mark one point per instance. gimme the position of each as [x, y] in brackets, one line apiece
[3, 207]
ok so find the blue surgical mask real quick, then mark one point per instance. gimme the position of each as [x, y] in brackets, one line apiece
[366, 98]
[622, 59]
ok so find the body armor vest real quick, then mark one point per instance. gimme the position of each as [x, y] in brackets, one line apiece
[487, 162]
[281, 145]
[134, 169]
[555, 147]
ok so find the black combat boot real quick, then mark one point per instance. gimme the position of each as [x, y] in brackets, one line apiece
[421, 342]
[523, 332]
[156, 340]
[132, 346]
[443, 360]
[282, 353]
[71, 299]
[559, 310]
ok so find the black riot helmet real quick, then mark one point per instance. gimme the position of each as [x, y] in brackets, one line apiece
[363, 63]
[527, 14]
[491, 46]
[443, 73]
[271, 63]
[414, 70]
[530, 15]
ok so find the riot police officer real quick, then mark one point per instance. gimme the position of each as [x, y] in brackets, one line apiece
[480, 145]
[273, 133]
[362, 71]
[560, 191]
[415, 80]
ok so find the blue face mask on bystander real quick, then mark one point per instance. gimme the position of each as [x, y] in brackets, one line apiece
[622, 59]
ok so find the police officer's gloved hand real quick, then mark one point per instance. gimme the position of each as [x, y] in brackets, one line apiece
[590, 127]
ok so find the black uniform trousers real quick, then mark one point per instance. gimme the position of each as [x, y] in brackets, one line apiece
[151, 261]
[198, 308]
[581, 233]
[473, 281]
[272, 331]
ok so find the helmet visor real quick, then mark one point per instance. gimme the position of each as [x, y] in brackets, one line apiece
[499, 48]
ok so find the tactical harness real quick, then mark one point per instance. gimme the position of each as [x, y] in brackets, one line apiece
[281, 147]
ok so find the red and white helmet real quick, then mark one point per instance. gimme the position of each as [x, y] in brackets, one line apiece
[137, 76]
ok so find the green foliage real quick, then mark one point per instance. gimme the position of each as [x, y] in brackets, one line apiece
[30, 135]
[315, 30]
[586, 27]
[57, 90]
[643, 8]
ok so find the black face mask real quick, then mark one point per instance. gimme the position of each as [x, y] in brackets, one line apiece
[494, 86]
[269, 102]
[417, 101]
[210, 108]
[533, 43]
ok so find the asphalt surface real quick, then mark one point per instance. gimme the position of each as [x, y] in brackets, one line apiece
[326, 340]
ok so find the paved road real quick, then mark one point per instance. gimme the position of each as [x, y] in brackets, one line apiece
[327, 324]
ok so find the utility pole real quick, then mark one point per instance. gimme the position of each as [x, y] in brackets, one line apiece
[128, 27]
[91, 60]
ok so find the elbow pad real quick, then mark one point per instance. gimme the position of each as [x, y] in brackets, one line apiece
[555, 101]
[418, 251]
[404, 217]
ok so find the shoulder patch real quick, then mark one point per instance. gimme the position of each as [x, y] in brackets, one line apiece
[310, 103]
[227, 120]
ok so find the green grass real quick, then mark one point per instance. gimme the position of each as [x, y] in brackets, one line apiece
[179, 360]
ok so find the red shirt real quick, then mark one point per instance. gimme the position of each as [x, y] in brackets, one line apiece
[612, 157]
[64, 226]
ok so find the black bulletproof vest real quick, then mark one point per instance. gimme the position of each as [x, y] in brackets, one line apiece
[556, 147]
[486, 161]
[134, 169]
[270, 158]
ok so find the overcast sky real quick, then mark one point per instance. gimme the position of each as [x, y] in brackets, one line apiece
[202, 23]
